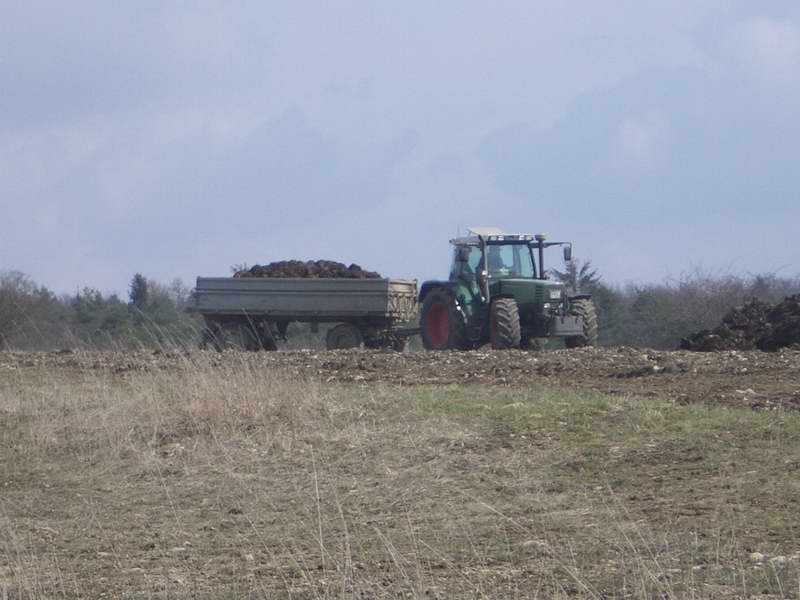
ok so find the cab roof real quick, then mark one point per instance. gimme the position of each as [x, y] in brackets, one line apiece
[491, 234]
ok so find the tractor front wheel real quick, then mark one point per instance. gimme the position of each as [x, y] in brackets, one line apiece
[441, 324]
[585, 310]
[504, 329]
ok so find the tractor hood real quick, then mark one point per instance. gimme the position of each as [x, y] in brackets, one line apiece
[527, 291]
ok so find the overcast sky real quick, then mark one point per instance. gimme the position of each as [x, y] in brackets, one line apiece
[180, 138]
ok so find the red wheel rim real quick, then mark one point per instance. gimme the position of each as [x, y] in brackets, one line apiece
[437, 325]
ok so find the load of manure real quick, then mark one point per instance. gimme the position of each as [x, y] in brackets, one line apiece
[312, 269]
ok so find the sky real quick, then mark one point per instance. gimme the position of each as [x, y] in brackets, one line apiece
[177, 139]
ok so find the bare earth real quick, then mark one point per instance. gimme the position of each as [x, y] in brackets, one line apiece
[350, 474]
[753, 379]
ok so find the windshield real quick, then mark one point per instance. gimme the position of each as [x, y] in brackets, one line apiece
[510, 260]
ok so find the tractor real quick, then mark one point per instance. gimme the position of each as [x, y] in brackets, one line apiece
[498, 292]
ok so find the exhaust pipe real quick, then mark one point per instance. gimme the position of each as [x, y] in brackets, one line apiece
[540, 238]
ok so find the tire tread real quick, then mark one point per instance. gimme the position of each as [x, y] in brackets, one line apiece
[505, 315]
[586, 310]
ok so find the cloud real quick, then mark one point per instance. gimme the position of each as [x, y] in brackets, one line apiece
[640, 137]
[178, 140]
[675, 163]
[769, 46]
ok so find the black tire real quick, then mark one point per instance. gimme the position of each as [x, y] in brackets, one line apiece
[532, 344]
[585, 310]
[400, 344]
[265, 337]
[504, 329]
[247, 337]
[343, 336]
[441, 324]
[206, 338]
[214, 336]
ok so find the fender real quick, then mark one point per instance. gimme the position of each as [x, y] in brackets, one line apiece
[579, 297]
[450, 286]
[431, 285]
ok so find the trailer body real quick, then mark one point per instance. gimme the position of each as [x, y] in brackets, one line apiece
[260, 309]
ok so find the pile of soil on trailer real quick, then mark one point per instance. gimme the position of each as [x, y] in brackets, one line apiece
[754, 326]
[741, 378]
[312, 269]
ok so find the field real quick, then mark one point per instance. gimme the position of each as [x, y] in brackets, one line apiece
[593, 473]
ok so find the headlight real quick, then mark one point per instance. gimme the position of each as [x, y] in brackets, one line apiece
[555, 294]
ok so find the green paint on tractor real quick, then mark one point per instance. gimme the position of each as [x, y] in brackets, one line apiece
[499, 292]
[526, 291]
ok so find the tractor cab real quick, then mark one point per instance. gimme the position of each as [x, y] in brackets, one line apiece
[499, 291]
[499, 260]
[505, 264]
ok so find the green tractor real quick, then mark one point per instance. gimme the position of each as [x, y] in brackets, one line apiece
[498, 292]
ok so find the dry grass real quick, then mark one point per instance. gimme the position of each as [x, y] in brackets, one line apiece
[231, 482]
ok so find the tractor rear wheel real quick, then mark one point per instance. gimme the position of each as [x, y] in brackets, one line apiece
[441, 324]
[343, 336]
[585, 310]
[504, 329]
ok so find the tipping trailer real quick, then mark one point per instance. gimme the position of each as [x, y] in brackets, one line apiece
[253, 312]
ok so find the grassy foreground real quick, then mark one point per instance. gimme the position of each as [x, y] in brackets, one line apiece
[233, 483]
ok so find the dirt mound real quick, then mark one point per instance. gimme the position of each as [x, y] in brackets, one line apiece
[754, 326]
[312, 269]
[785, 321]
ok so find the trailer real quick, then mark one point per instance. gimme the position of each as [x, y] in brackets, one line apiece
[254, 312]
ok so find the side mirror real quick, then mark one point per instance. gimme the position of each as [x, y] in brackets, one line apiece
[462, 254]
[568, 253]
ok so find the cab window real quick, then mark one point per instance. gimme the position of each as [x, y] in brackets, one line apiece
[470, 268]
[510, 261]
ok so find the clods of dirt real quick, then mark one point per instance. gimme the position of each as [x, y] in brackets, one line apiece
[753, 379]
[754, 326]
[312, 269]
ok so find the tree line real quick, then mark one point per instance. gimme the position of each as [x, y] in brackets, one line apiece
[32, 317]
[153, 315]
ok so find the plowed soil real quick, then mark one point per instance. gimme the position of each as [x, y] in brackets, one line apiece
[318, 475]
[751, 379]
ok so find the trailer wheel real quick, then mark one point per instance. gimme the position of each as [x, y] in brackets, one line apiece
[532, 344]
[214, 336]
[585, 309]
[266, 338]
[343, 336]
[400, 344]
[441, 324]
[253, 336]
[206, 338]
[504, 329]
[247, 337]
